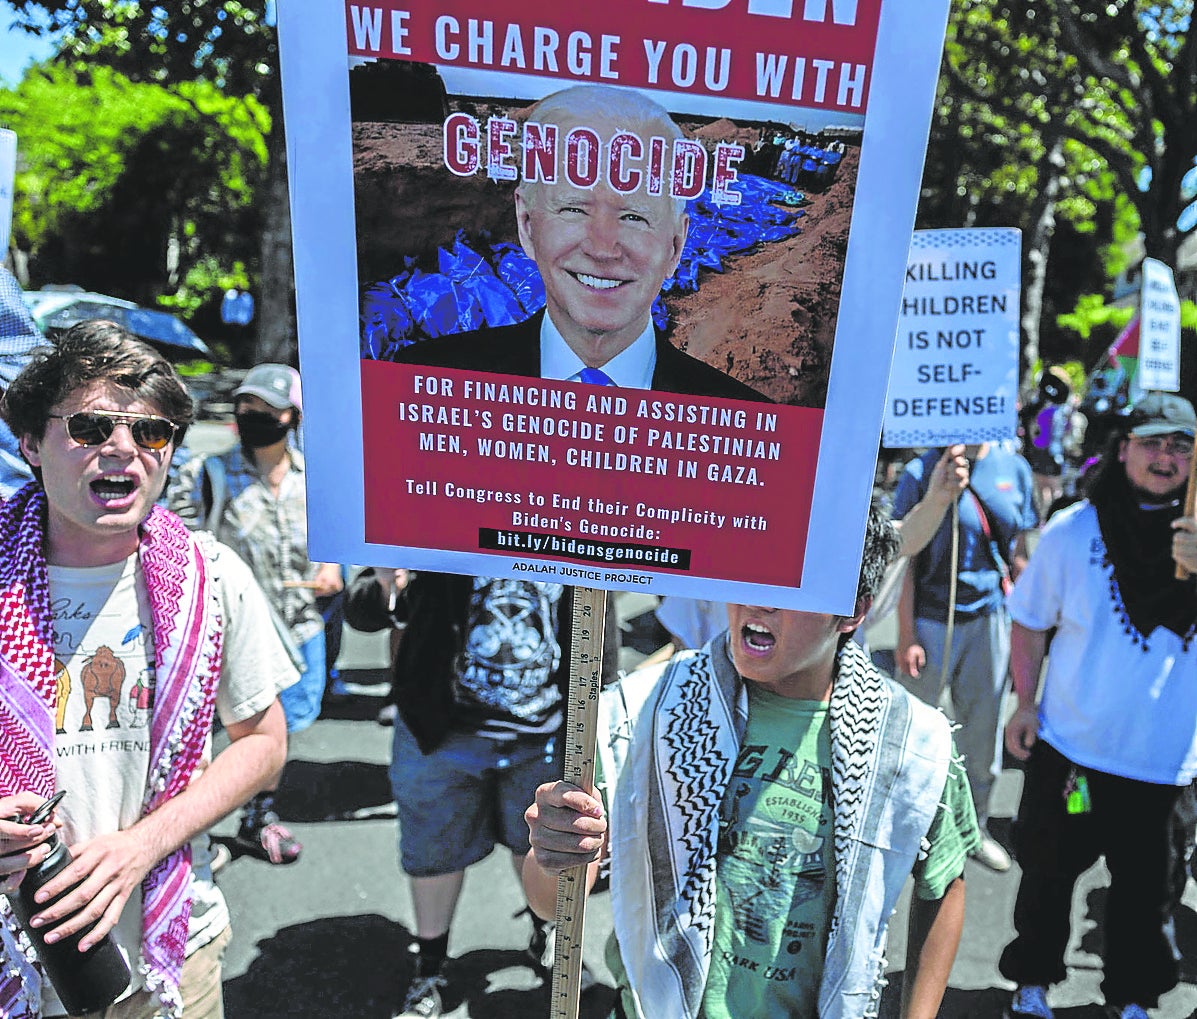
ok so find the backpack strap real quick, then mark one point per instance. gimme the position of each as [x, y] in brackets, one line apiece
[214, 490]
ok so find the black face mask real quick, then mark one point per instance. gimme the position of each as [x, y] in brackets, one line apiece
[259, 429]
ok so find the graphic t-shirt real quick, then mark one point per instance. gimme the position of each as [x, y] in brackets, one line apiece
[503, 679]
[776, 880]
[104, 660]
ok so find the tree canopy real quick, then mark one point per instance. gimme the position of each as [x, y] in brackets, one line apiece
[1063, 116]
[136, 200]
[230, 48]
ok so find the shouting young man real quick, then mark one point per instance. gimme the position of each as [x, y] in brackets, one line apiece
[120, 635]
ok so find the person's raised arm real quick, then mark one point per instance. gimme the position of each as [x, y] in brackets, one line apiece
[567, 829]
[910, 655]
[1027, 651]
[947, 481]
[933, 934]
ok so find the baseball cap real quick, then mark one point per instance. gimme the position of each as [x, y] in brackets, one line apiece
[1162, 414]
[277, 384]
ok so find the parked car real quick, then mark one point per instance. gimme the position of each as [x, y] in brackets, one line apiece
[58, 308]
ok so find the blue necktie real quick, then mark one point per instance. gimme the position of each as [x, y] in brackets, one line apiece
[595, 377]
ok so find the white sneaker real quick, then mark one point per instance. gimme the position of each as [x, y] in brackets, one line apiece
[423, 1000]
[991, 854]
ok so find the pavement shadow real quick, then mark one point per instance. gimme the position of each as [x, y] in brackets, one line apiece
[351, 707]
[983, 1003]
[360, 966]
[336, 967]
[480, 981]
[315, 791]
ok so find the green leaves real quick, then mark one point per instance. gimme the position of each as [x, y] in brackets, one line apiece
[131, 169]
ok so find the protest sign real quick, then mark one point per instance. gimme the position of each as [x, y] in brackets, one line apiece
[955, 371]
[8, 171]
[458, 247]
[1159, 329]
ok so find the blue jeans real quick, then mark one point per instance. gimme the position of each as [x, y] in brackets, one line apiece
[301, 700]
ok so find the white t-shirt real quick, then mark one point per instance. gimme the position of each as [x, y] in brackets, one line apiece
[104, 653]
[693, 621]
[1107, 703]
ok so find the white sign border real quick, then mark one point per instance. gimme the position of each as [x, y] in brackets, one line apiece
[972, 241]
[314, 64]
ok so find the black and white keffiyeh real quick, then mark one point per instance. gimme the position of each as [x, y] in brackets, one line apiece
[666, 798]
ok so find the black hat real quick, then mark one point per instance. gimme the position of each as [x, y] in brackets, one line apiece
[1162, 414]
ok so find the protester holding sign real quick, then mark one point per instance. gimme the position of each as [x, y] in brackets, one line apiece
[966, 588]
[1111, 746]
[745, 783]
[479, 681]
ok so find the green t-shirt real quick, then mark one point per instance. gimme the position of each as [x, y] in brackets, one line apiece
[775, 885]
[953, 835]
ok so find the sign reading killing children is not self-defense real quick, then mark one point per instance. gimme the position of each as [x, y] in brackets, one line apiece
[1159, 329]
[603, 294]
[955, 371]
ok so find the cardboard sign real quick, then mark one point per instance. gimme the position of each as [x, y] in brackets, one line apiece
[8, 173]
[955, 370]
[716, 215]
[1159, 330]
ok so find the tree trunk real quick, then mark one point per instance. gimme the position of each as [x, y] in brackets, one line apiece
[276, 336]
[1037, 252]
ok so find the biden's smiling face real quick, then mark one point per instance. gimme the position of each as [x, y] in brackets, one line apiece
[603, 257]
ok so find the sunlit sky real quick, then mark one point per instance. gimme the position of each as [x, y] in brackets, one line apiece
[17, 48]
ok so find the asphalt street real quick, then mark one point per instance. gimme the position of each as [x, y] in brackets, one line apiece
[329, 935]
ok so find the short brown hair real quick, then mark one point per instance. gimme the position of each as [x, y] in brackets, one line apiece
[93, 351]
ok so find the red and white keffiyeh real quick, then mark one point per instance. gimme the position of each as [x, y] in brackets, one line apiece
[187, 645]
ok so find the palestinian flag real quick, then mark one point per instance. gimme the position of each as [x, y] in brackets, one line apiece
[1123, 354]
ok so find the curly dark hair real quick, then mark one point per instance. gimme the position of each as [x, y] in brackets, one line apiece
[88, 352]
[881, 547]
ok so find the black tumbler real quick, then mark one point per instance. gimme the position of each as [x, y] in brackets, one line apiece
[85, 981]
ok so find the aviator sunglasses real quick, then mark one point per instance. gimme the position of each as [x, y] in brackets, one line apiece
[91, 428]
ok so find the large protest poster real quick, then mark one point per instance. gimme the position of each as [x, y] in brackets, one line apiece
[8, 172]
[793, 140]
[1159, 329]
[955, 371]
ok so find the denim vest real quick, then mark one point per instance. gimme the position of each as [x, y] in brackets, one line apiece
[890, 758]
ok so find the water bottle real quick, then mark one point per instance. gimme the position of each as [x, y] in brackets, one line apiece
[85, 981]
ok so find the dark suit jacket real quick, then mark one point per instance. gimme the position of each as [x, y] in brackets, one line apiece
[515, 350]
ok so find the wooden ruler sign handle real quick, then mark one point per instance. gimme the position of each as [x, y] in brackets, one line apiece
[1190, 505]
[578, 745]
